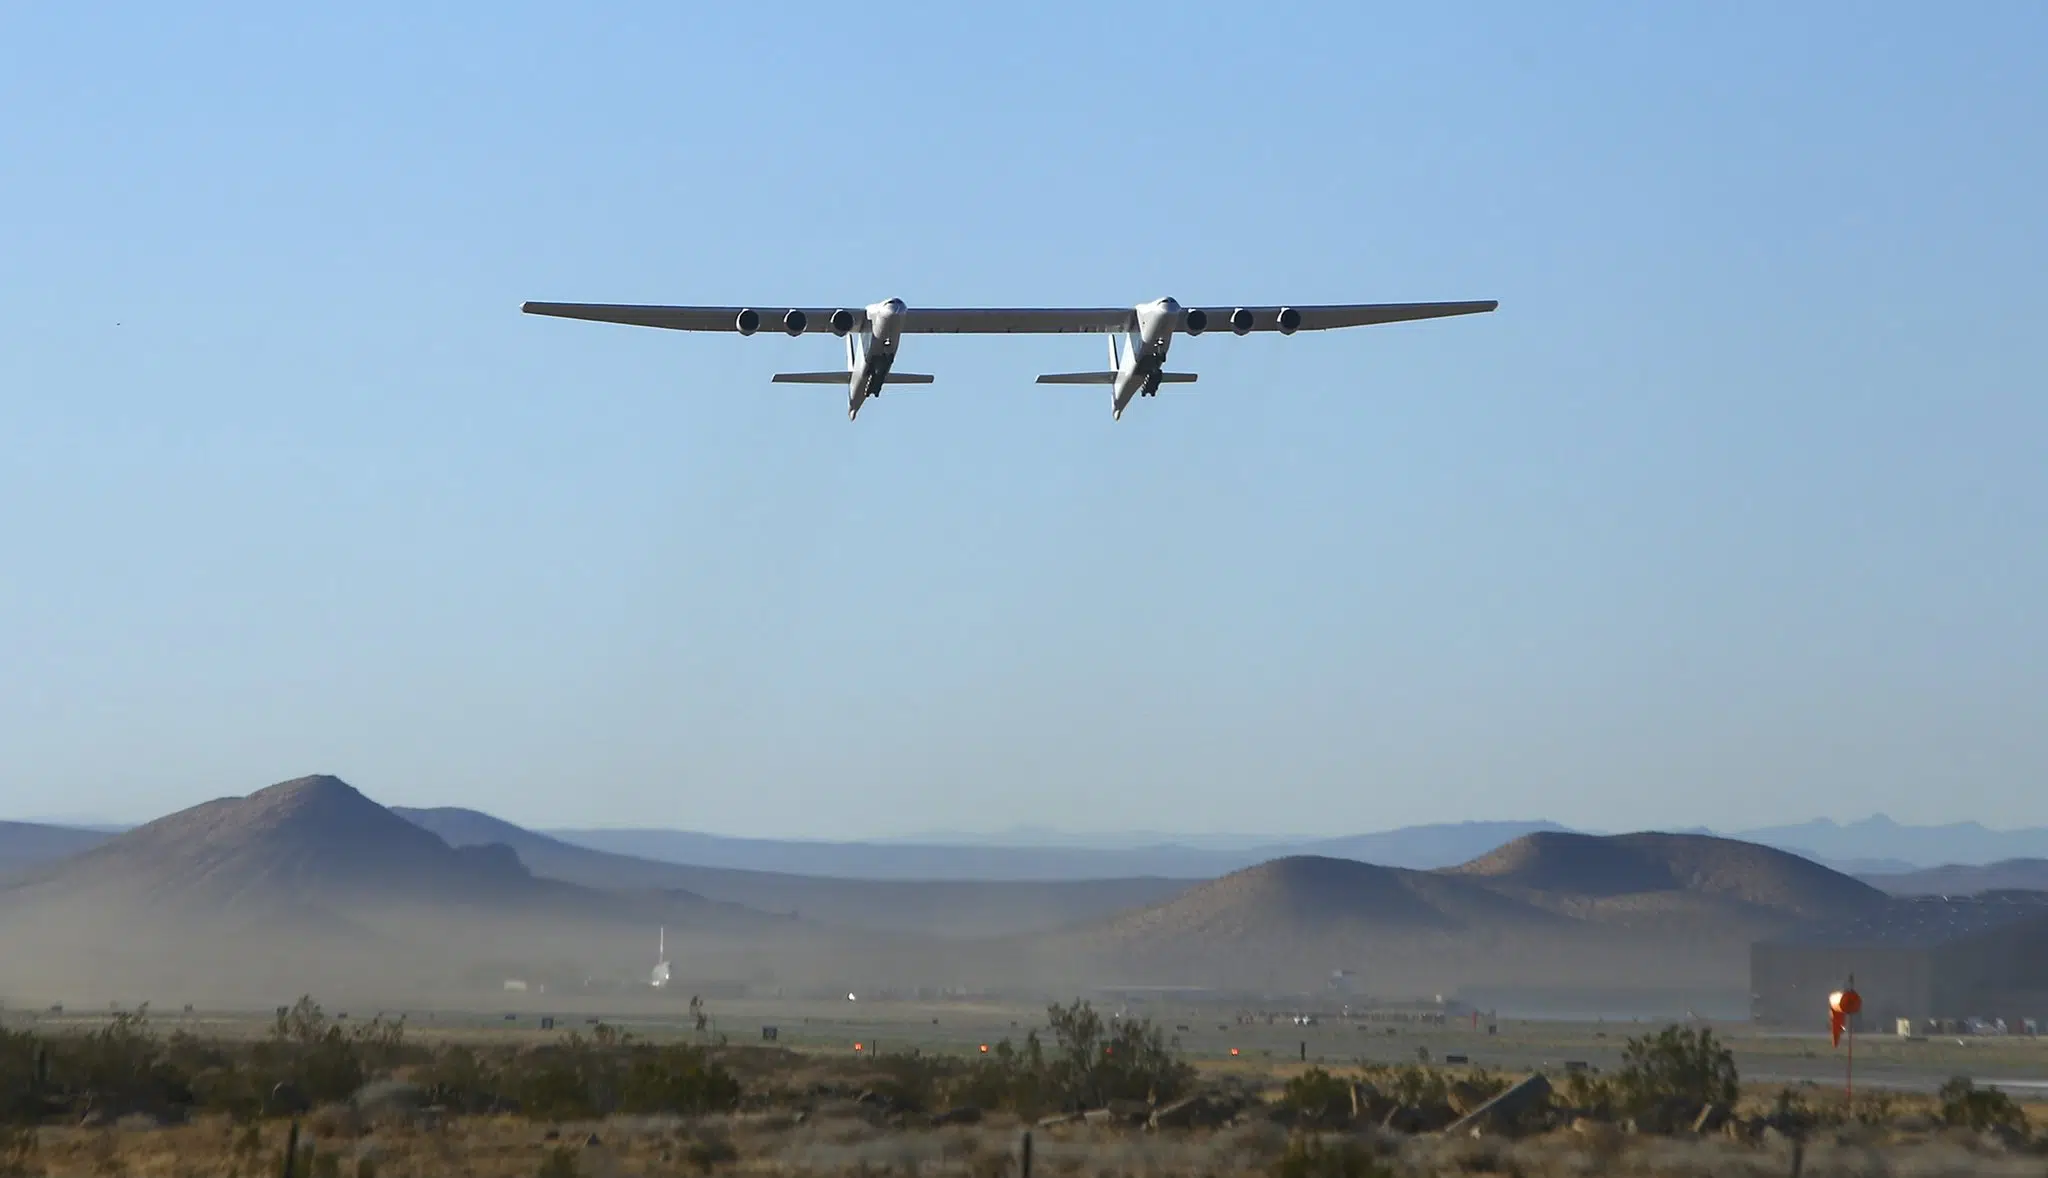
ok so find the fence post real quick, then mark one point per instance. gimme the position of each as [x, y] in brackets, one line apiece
[1024, 1171]
[291, 1149]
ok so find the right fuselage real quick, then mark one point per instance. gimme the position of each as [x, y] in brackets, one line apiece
[1144, 355]
[877, 354]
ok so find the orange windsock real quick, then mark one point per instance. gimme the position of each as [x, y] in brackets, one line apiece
[1841, 1004]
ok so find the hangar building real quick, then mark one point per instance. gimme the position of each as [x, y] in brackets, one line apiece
[1922, 958]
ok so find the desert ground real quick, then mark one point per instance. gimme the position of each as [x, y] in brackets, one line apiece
[532, 1042]
[1266, 1042]
[810, 1103]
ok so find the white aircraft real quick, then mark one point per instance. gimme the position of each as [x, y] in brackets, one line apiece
[873, 333]
[659, 976]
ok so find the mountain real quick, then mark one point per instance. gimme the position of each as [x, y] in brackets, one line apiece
[945, 908]
[908, 861]
[308, 885]
[1419, 847]
[1548, 909]
[1872, 846]
[25, 844]
[1108, 840]
[1286, 925]
[1878, 837]
[1966, 879]
[1581, 872]
[1423, 848]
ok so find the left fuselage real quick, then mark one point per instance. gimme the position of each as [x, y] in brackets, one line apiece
[1144, 355]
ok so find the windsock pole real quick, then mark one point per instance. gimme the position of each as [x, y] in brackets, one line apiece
[1843, 1005]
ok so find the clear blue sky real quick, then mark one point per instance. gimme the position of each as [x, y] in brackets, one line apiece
[1736, 511]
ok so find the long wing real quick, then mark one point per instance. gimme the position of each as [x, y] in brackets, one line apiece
[1323, 318]
[687, 318]
[1002, 320]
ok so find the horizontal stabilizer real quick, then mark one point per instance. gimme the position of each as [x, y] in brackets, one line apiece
[1110, 378]
[841, 378]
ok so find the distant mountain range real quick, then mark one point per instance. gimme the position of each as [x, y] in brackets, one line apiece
[1875, 846]
[309, 886]
[940, 906]
[1418, 847]
[1887, 853]
[25, 843]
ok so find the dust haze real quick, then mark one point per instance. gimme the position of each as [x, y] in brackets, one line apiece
[308, 886]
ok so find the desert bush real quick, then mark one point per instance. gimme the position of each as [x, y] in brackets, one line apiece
[1087, 1065]
[1007, 1078]
[1967, 1106]
[456, 1077]
[677, 1079]
[17, 1150]
[557, 1083]
[119, 1066]
[1791, 1111]
[315, 1055]
[1585, 1092]
[1677, 1064]
[1316, 1097]
[1876, 1109]
[20, 1053]
[559, 1162]
[912, 1081]
[710, 1149]
[596, 1077]
[1090, 1066]
[1310, 1156]
[1411, 1085]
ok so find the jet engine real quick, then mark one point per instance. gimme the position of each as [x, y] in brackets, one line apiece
[747, 322]
[1198, 321]
[1289, 320]
[794, 322]
[842, 321]
[1240, 321]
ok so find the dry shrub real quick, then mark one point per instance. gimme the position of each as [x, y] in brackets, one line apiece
[17, 1151]
[335, 1120]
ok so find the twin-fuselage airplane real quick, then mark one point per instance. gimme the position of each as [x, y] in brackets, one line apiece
[873, 333]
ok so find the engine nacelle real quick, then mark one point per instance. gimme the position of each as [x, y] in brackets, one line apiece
[795, 322]
[842, 321]
[1290, 319]
[1240, 321]
[747, 322]
[1197, 321]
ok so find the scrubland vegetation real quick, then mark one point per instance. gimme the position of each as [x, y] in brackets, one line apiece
[1098, 1097]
